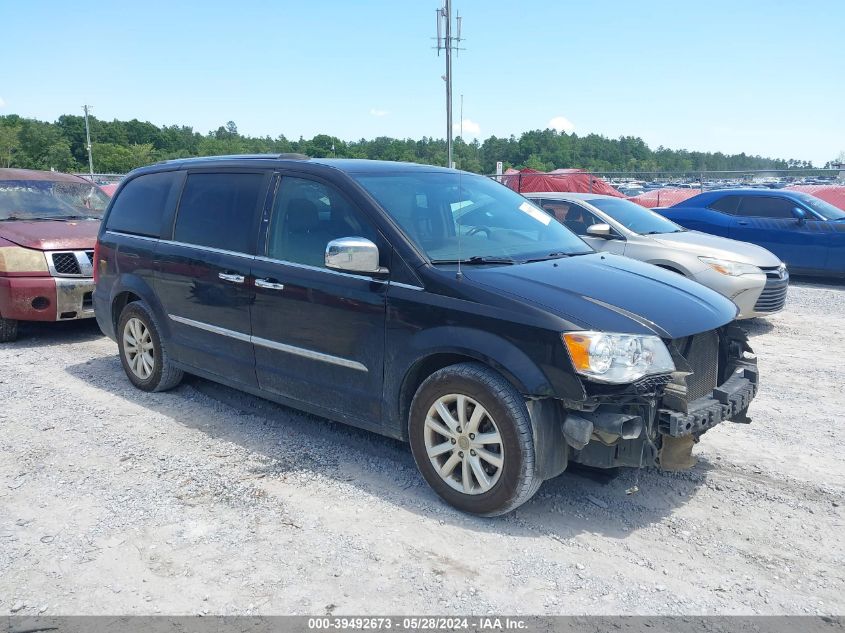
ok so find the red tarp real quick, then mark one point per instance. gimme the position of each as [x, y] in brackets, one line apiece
[109, 189]
[574, 180]
[834, 194]
[663, 197]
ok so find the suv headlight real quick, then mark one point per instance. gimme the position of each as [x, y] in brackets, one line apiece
[727, 267]
[15, 259]
[617, 358]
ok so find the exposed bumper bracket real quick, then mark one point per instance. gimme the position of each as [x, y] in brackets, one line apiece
[729, 401]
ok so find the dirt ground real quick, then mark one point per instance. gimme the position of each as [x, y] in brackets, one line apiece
[205, 500]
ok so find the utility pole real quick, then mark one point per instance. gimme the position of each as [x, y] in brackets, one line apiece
[448, 44]
[88, 142]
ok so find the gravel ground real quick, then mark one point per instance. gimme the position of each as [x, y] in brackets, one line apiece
[206, 500]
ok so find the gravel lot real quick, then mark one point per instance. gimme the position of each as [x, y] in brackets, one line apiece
[205, 500]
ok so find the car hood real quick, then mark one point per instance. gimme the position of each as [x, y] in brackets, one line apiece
[705, 245]
[612, 294]
[51, 235]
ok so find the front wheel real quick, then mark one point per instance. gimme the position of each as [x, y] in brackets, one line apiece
[471, 438]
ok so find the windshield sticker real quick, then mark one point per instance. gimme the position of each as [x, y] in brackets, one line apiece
[534, 212]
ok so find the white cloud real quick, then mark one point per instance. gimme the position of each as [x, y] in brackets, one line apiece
[2, 103]
[379, 113]
[471, 128]
[562, 124]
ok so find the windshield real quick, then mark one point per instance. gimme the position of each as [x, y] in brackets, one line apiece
[465, 217]
[49, 199]
[824, 209]
[634, 217]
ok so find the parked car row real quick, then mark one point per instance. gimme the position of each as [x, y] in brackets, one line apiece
[750, 276]
[502, 337]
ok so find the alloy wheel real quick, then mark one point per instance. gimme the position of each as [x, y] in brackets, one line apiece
[464, 444]
[139, 349]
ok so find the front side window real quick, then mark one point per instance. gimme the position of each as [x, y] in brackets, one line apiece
[634, 217]
[461, 217]
[766, 207]
[50, 200]
[218, 211]
[306, 216]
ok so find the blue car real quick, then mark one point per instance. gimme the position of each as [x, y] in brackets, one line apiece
[805, 232]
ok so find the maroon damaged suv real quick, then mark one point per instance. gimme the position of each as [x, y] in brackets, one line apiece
[48, 227]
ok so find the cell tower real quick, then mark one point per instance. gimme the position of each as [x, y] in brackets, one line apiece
[448, 43]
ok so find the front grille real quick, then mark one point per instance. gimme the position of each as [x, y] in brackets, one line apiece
[66, 264]
[701, 351]
[90, 255]
[773, 297]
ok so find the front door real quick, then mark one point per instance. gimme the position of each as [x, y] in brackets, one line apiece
[770, 222]
[203, 275]
[318, 334]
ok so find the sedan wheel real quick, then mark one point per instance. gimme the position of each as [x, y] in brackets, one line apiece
[139, 349]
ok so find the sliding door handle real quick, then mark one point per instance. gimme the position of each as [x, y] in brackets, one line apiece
[270, 284]
[231, 277]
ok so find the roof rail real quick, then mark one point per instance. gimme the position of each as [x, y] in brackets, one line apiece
[282, 156]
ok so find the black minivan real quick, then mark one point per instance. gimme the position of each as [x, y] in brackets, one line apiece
[424, 303]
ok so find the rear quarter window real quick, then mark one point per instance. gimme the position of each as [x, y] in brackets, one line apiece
[728, 204]
[141, 204]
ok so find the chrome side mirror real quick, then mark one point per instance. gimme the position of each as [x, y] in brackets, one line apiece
[599, 230]
[354, 255]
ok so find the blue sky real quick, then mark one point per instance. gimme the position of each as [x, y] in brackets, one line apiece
[761, 77]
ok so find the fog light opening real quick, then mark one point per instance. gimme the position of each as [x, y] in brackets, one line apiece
[40, 303]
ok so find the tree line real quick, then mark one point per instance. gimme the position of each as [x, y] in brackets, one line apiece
[120, 146]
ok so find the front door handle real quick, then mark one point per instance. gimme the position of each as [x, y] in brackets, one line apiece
[742, 222]
[269, 283]
[234, 278]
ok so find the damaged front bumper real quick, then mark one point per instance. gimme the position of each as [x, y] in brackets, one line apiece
[46, 298]
[657, 420]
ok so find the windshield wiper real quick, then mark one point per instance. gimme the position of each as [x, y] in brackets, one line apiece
[19, 218]
[476, 260]
[557, 255]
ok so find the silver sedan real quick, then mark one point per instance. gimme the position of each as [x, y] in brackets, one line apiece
[752, 277]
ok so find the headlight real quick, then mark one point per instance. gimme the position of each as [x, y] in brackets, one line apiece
[727, 267]
[14, 259]
[617, 358]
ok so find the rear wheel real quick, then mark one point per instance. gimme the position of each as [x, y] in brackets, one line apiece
[142, 352]
[471, 438]
[8, 330]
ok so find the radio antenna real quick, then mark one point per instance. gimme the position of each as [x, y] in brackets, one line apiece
[460, 275]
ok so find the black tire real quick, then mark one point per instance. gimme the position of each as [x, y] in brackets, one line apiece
[164, 374]
[518, 481]
[8, 330]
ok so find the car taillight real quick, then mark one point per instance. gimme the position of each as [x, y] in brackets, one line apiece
[97, 261]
